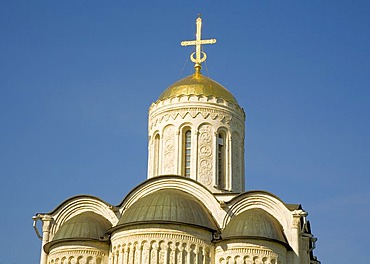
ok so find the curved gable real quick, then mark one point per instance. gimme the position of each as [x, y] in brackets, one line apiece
[180, 183]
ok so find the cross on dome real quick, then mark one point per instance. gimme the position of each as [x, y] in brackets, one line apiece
[200, 56]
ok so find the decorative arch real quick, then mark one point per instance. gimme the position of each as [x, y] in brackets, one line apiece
[265, 201]
[223, 157]
[178, 183]
[156, 153]
[77, 205]
[186, 147]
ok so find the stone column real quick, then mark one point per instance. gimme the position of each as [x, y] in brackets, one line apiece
[46, 226]
[229, 163]
[178, 149]
[137, 255]
[215, 160]
[297, 236]
[194, 155]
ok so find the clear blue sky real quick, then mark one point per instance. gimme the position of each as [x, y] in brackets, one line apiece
[77, 78]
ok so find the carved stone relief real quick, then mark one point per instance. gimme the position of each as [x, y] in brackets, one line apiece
[224, 116]
[240, 258]
[250, 254]
[165, 249]
[78, 257]
[205, 155]
[236, 162]
[169, 150]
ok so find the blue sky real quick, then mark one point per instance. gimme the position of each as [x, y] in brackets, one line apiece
[77, 79]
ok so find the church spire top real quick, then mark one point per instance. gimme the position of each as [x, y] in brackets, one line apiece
[198, 56]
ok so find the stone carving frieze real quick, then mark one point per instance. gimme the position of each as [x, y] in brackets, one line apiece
[236, 162]
[249, 256]
[169, 150]
[212, 113]
[205, 155]
[160, 248]
[82, 256]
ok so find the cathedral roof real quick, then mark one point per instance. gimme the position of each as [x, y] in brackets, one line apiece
[197, 84]
[82, 227]
[168, 206]
[254, 223]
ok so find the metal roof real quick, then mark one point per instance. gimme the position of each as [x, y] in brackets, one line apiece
[171, 206]
[254, 223]
[85, 225]
[197, 84]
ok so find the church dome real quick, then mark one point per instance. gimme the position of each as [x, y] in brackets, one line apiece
[254, 223]
[197, 84]
[168, 206]
[87, 225]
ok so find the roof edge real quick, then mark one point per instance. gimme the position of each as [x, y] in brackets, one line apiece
[79, 196]
[47, 247]
[156, 222]
[286, 245]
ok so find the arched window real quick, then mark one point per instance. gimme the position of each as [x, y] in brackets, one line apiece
[221, 161]
[156, 155]
[186, 152]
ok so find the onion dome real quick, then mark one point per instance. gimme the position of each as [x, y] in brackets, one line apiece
[197, 84]
[86, 226]
[254, 223]
[168, 206]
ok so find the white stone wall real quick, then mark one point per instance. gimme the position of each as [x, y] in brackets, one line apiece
[180, 243]
[173, 244]
[250, 252]
[206, 117]
[81, 253]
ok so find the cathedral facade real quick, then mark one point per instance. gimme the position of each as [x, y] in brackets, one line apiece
[193, 208]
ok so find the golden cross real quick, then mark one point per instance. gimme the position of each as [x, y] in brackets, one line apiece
[200, 56]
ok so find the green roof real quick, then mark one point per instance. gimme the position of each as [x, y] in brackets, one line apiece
[86, 225]
[170, 206]
[254, 223]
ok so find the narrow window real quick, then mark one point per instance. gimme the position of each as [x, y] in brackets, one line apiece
[221, 161]
[187, 153]
[156, 155]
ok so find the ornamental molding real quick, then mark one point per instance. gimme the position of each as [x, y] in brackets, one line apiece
[224, 116]
[70, 255]
[160, 248]
[144, 235]
[251, 246]
[181, 99]
[247, 259]
[74, 251]
[250, 253]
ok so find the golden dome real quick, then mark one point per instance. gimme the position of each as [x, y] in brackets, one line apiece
[197, 84]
